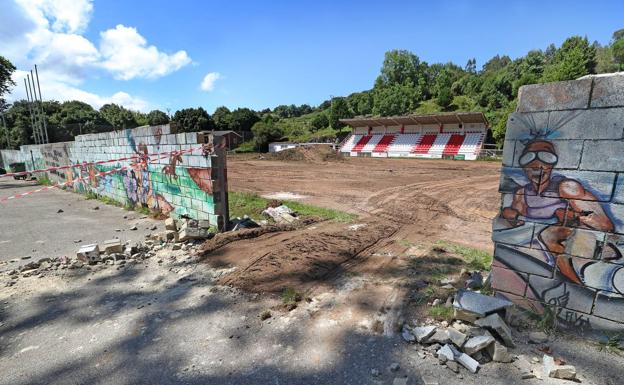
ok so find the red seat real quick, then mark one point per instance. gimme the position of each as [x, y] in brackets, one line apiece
[453, 145]
[384, 143]
[361, 143]
[425, 144]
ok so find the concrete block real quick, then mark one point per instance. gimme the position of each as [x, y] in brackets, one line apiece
[600, 275]
[504, 232]
[457, 337]
[509, 150]
[446, 352]
[465, 360]
[608, 91]
[603, 155]
[566, 95]
[606, 123]
[441, 336]
[423, 332]
[89, 253]
[203, 223]
[568, 152]
[523, 259]
[564, 372]
[509, 281]
[560, 293]
[112, 246]
[479, 304]
[578, 242]
[499, 352]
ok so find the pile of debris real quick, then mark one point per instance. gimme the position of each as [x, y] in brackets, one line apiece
[478, 335]
[184, 229]
[280, 213]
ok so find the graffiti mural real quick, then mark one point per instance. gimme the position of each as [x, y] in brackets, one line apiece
[559, 239]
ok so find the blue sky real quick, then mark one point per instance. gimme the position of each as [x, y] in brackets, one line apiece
[263, 54]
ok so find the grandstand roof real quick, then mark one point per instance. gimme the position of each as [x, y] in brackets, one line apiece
[442, 118]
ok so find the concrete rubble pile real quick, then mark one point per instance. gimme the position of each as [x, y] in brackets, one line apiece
[478, 335]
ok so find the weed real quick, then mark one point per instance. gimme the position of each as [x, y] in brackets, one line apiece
[91, 195]
[143, 210]
[441, 312]
[613, 343]
[290, 296]
[475, 258]
[265, 315]
[547, 322]
[405, 243]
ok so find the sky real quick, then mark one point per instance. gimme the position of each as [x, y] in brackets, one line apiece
[168, 55]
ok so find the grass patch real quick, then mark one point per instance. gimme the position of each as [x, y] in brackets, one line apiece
[244, 203]
[44, 180]
[265, 315]
[290, 296]
[475, 258]
[441, 312]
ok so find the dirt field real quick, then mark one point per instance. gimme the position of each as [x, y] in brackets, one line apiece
[403, 205]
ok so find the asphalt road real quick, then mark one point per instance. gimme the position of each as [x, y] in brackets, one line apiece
[32, 226]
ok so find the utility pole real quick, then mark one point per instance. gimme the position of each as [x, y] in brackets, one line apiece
[45, 124]
[32, 119]
[33, 98]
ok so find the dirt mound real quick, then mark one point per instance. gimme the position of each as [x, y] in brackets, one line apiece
[305, 258]
[318, 153]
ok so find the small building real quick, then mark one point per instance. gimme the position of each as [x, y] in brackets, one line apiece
[233, 139]
[281, 146]
[458, 135]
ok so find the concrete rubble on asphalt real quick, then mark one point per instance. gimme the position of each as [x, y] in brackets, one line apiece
[551, 369]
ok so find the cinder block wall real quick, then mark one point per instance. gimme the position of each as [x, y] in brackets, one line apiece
[192, 184]
[559, 237]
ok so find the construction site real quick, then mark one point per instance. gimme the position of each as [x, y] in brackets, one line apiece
[317, 265]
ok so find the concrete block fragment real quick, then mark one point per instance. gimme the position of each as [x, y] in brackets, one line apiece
[478, 303]
[465, 360]
[203, 223]
[496, 324]
[608, 91]
[407, 335]
[446, 352]
[478, 343]
[422, 333]
[429, 381]
[564, 372]
[499, 352]
[170, 224]
[566, 95]
[89, 253]
[523, 259]
[441, 336]
[458, 338]
[112, 246]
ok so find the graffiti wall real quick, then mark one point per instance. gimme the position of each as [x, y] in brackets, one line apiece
[559, 237]
[191, 184]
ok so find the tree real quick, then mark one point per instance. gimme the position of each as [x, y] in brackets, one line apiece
[360, 103]
[242, 119]
[222, 117]
[617, 35]
[339, 109]
[319, 121]
[6, 82]
[575, 58]
[118, 116]
[193, 119]
[403, 68]
[73, 118]
[264, 133]
[157, 117]
[395, 100]
[618, 52]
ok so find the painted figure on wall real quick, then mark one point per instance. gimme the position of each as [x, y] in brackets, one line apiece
[564, 209]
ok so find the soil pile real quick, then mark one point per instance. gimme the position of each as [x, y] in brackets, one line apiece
[318, 153]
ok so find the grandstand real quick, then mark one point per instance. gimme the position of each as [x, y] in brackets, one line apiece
[449, 135]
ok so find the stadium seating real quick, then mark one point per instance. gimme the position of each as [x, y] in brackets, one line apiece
[435, 145]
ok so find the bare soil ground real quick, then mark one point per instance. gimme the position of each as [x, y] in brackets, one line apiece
[401, 203]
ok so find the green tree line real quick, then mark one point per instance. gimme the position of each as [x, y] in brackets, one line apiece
[405, 84]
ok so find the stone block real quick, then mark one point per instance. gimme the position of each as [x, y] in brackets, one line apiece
[446, 352]
[112, 246]
[523, 259]
[457, 337]
[441, 336]
[203, 224]
[423, 332]
[499, 352]
[603, 155]
[564, 372]
[605, 123]
[608, 91]
[89, 253]
[566, 95]
[465, 360]
[560, 293]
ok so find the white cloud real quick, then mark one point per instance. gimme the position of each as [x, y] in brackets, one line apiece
[50, 34]
[209, 80]
[62, 91]
[127, 55]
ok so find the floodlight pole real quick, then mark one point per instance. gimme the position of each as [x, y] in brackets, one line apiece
[45, 123]
[32, 119]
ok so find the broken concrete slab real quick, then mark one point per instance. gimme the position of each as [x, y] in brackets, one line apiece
[496, 324]
[170, 224]
[476, 344]
[479, 304]
[429, 381]
[440, 336]
[465, 360]
[447, 352]
[551, 369]
[538, 337]
[452, 365]
[499, 352]
[422, 333]
[89, 253]
[112, 246]
[407, 335]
